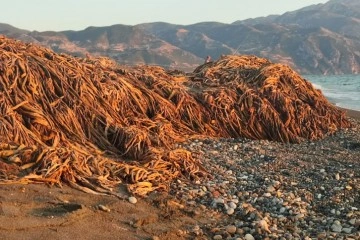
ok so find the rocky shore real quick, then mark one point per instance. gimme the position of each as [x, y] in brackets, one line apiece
[270, 190]
[254, 190]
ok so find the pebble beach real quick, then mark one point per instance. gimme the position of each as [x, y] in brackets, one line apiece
[270, 190]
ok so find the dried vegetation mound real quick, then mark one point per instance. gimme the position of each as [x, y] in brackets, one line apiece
[254, 98]
[92, 124]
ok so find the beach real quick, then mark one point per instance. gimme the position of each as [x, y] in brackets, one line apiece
[352, 113]
[254, 190]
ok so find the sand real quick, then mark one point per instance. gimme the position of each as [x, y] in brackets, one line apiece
[352, 113]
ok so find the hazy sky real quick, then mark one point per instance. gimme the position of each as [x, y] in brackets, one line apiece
[58, 15]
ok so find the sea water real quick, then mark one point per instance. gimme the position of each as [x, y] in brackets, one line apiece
[341, 90]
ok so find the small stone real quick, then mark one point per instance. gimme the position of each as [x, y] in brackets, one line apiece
[322, 170]
[267, 194]
[336, 227]
[202, 207]
[270, 189]
[282, 210]
[249, 237]
[215, 194]
[217, 237]
[103, 208]
[333, 211]
[230, 211]
[352, 221]
[337, 176]
[346, 230]
[155, 238]
[276, 183]
[219, 200]
[240, 231]
[231, 229]
[232, 205]
[337, 222]
[321, 235]
[243, 177]
[348, 187]
[301, 215]
[132, 200]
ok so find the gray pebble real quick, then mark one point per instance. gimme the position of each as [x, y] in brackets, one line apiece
[347, 230]
[219, 200]
[267, 194]
[352, 221]
[232, 205]
[282, 210]
[336, 227]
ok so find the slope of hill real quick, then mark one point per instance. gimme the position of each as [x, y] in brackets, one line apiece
[318, 39]
[7, 29]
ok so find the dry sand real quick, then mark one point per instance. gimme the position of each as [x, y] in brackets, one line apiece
[42, 212]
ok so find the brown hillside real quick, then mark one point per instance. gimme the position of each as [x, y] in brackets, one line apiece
[92, 124]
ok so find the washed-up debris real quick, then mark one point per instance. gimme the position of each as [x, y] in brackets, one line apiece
[92, 124]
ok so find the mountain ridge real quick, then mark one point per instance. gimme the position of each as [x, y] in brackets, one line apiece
[317, 39]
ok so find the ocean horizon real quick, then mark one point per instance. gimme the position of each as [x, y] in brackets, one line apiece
[341, 90]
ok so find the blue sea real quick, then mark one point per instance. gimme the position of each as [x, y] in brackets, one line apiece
[341, 90]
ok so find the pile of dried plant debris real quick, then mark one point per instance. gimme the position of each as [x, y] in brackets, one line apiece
[93, 124]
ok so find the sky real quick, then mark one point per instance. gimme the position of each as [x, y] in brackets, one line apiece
[58, 15]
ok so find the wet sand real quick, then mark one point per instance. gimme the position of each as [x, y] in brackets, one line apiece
[352, 113]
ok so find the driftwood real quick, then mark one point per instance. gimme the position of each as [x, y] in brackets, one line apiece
[92, 124]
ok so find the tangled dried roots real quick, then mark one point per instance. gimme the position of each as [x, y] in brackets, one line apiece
[251, 97]
[92, 124]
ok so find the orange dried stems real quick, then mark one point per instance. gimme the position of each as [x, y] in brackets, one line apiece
[93, 124]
